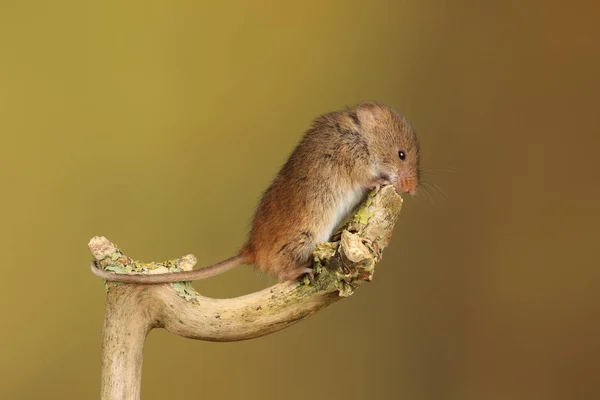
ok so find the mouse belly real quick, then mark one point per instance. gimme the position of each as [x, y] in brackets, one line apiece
[339, 211]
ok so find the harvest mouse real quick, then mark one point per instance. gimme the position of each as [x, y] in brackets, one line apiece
[342, 156]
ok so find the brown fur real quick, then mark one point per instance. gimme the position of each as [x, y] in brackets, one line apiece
[340, 158]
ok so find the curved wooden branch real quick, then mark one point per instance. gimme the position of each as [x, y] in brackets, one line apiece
[133, 310]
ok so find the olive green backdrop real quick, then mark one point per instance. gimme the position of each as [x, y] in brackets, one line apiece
[159, 123]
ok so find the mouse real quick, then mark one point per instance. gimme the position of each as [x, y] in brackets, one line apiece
[339, 160]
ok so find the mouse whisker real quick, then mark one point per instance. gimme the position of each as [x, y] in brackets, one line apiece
[427, 187]
[437, 169]
[423, 189]
[442, 192]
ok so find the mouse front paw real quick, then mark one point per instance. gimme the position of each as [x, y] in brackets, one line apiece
[379, 181]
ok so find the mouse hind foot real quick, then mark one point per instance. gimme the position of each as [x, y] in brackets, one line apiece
[296, 273]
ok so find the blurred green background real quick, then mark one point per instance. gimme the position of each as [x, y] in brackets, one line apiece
[158, 124]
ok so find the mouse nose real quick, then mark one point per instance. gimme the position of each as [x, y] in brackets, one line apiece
[407, 185]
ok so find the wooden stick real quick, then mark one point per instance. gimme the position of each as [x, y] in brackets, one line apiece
[132, 311]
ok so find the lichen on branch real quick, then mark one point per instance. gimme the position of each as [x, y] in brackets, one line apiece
[341, 264]
[131, 311]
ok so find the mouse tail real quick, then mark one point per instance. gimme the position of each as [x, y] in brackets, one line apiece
[169, 277]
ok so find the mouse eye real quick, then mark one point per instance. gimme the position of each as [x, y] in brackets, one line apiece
[402, 154]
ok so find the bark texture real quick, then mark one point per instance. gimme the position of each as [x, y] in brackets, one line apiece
[132, 311]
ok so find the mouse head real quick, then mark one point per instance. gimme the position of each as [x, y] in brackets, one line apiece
[394, 145]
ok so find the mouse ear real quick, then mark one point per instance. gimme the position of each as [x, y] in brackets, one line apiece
[369, 113]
